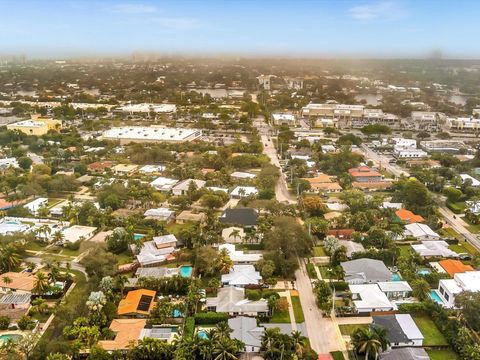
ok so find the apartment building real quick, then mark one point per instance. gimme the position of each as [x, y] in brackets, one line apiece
[463, 124]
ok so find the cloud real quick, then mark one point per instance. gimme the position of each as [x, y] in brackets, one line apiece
[134, 9]
[380, 10]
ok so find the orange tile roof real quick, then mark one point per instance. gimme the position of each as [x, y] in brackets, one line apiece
[321, 178]
[24, 281]
[129, 305]
[4, 204]
[127, 333]
[363, 171]
[100, 165]
[407, 215]
[453, 267]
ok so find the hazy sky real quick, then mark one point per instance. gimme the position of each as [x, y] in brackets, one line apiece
[386, 28]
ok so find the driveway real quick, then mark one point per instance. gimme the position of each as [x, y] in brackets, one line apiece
[323, 333]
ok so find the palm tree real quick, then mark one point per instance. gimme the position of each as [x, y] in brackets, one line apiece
[45, 230]
[235, 234]
[40, 305]
[7, 280]
[369, 341]
[223, 330]
[224, 261]
[421, 289]
[225, 349]
[9, 258]
[58, 237]
[41, 283]
[299, 342]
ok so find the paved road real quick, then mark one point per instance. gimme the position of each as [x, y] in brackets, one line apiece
[281, 189]
[458, 225]
[383, 162]
[74, 265]
[323, 333]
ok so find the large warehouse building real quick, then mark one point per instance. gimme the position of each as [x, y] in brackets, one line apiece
[129, 134]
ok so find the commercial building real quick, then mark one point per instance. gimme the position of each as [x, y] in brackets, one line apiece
[446, 146]
[153, 134]
[425, 120]
[147, 108]
[279, 119]
[463, 124]
[39, 126]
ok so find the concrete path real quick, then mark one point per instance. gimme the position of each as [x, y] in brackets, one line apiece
[354, 320]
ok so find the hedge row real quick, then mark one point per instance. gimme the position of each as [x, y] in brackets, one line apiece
[210, 318]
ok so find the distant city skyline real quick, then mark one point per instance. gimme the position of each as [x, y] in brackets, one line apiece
[344, 28]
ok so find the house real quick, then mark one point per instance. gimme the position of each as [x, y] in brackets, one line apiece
[246, 330]
[448, 289]
[405, 353]
[152, 169]
[342, 234]
[363, 174]
[241, 276]
[242, 175]
[161, 214]
[5, 205]
[473, 206]
[232, 300]
[137, 303]
[453, 267]
[395, 290]
[466, 177]
[245, 217]
[365, 271]
[434, 248]
[369, 298]
[157, 251]
[99, 166]
[127, 333]
[183, 186]
[125, 169]
[238, 256]
[372, 185]
[35, 205]
[243, 191]
[39, 126]
[189, 216]
[408, 216]
[391, 205]
[401, 329]
[420, 232]
[15, 300]
[163, 184]
[76, 233]
[351, 246]
[233, 235]
[323, 183]
[6, 163]
[18, 282]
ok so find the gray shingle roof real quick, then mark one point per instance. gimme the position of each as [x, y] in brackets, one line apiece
[369, 270]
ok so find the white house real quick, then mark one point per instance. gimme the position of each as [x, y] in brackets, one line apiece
[420, 232]
[35, 205]
[241, 276]
[182, 187]
[163, 184]
[8, 162]
[76, 233]
[448, 289]
[152, 169]
[434, 248]
[466, 177]
[238, 256]
[162, 214]
[369, 297]
[242, 175]
[243, 191]
[395, 290]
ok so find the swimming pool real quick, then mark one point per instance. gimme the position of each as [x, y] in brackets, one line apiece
[13, 337]
[435, 297]
[424, 271]
[138, 236]
[202, 334]
[396, 277]
[177, 313]
[186, 271]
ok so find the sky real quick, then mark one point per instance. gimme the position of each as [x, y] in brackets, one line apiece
[301, 28]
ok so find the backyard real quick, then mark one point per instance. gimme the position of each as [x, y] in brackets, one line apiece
[280, 316]
[433, 336]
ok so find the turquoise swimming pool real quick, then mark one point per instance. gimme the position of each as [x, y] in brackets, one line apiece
[424, 271]
[202, 334]
[435, 297]
[13, 337]
[177, 313]
[138, 236]
[396, 277]
[186, 271]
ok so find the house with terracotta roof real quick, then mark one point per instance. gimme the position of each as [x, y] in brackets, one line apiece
[323, 183]
[99, 166]
[137, 303]
[365, 174]
[342, 234]
[18, 282]
[127, 332]
[453, 267]
[408, 216]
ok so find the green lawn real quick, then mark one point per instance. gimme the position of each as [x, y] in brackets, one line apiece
[436, 354]
[312, 274]
[54, 201]
[348, 329]
[405, 249]
[470, 248]
[124, 258]
[297, 310]
[449, 232]
[324, 272]
[337, 355]
[280, 316]
[319, 251]
[458, 248]
[34, 246]
[433, 336]
[473, 228]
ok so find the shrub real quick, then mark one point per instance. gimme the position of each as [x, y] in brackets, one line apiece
[72, 245]
[311, 271]
[340, 285]
[253, 295]
[25, 323]
[4, 322]
[455, 208]
[210, 318]
[189, 326]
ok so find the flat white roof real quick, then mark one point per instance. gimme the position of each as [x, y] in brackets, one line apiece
[75, 232]
[408, 326]
[387, 286]
[469, 281]
[371, 297]
[148, 107]
[247, 190]
[152, 133]
[418, 230]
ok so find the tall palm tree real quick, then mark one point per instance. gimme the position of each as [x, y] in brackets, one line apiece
[7, 280]
[225, 349]
[223, 330]
[369, 341]
[41, 283]
[9, 258]
[421, 289]
[299, 342]
[235, 234]
[225, 263]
